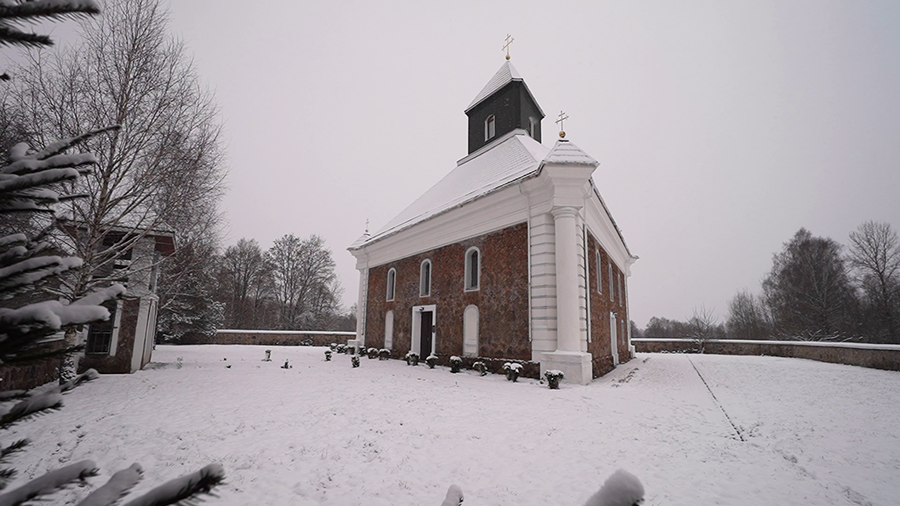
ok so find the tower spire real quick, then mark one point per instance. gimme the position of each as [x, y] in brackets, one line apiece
[562, 117]
[509, 40]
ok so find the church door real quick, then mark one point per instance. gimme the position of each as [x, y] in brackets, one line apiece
[426, 333]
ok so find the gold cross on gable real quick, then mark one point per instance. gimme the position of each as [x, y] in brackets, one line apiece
[562, 117]
[509, 40]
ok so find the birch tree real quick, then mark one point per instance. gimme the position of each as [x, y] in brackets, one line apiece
[162, 170]
[875, 259]
[809, 292]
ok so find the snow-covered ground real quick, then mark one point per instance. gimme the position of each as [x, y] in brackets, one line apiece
[696, 430]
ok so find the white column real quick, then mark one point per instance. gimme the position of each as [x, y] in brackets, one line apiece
[361, 306]
[567, 315]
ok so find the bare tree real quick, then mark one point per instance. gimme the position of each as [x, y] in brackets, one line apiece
[809, 291]
[162, 170]
[875, 259]
[747, 317]
[245, 280]
[305, 282]
[702, 328]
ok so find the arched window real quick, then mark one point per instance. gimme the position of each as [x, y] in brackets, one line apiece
[389, 330]
[621, 292]
[612, 295]
[470, 331]
[532, 127]
[473, 269]
[425, 279]
[489, 127]
[391, 283]
[599, 271]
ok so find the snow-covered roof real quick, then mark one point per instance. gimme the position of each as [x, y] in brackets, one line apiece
[504, 76]
[512, 157]
[564, 153]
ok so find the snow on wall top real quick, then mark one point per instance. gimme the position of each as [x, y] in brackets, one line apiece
[510, 158]
[565, 153]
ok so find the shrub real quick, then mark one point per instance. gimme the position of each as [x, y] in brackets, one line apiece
[553, 376]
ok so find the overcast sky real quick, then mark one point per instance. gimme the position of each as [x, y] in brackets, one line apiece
[721, 127]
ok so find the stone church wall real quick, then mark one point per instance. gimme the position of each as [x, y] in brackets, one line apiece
[502, 298]
[601, 306]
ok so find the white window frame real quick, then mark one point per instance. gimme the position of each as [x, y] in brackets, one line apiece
[470, 287]
[490, 127]
[425, 280]
[599, 270]
[391, 284]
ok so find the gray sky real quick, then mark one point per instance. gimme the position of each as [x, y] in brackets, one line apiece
[721, 127]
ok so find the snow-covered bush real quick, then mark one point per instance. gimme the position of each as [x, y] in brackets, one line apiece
[328, 355]
[341, 348]
[333, 346]
[431, 360]
[455, 362]
[287, 365]
[480, 367]
[268, 356]
[622, 488]
[372, 353]
[553, 376]
[355, 360]
[384, 354]
[412, 358]
[512, 371]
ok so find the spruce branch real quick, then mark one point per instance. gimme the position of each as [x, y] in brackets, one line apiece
[49, 483]
[117, 486]
[31, 406]
[183, 490]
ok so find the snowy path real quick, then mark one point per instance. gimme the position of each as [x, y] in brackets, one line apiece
[388, 434]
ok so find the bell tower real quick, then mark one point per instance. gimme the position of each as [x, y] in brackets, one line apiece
[503, 105]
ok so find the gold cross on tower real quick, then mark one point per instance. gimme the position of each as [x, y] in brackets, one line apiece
[509, 40]
[562, 117]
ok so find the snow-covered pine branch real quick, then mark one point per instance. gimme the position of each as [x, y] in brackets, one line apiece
[185, 487]
[49, 483]
[12, 13]
[117, 486]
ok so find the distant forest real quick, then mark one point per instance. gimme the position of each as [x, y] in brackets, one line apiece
[817, 290]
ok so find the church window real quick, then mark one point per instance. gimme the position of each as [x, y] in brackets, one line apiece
[473, 269]
[388, 330]
[470, 331]
[599, 271]
[612, 295]
[621, 293]
[391, 283]
[489, 127]
[532, 127]
[425, 279]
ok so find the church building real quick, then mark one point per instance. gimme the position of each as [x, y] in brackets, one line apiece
[513, 255]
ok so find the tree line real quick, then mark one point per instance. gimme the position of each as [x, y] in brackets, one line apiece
[816, 290]
[290, 286]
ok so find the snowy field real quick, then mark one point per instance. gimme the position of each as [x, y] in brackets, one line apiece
[696, 429]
